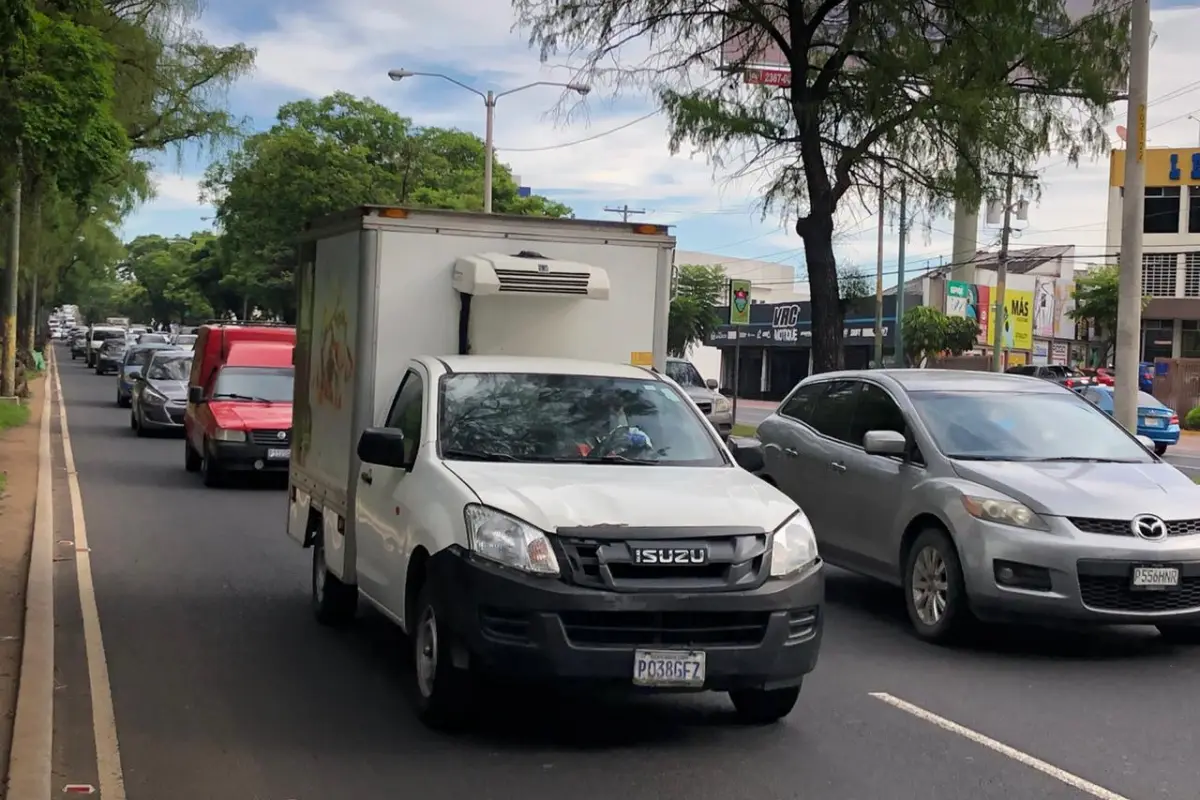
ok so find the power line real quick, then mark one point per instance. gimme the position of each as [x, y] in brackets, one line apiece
[625, 211]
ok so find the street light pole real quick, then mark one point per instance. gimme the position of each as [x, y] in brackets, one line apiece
[489, 101]
[1129, 297]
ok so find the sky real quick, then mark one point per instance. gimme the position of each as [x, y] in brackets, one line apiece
[611, 150]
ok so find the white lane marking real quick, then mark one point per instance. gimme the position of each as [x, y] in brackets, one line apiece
[104, 720]
[1061, 775]
[31, 756]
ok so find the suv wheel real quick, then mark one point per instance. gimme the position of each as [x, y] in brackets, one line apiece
[935, 592]
[764, 706]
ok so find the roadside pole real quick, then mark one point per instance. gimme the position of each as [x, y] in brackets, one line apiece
[1129, 299]
[999, 311]
[879, 279]
[898, 336]
[739, 316]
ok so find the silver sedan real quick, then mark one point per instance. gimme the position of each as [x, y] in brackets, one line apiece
[989, 496]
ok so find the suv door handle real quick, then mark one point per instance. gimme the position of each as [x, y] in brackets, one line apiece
[367, 478]
[837, 466]
[790, 452]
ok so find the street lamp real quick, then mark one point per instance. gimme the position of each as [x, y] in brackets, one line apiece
[489, 102]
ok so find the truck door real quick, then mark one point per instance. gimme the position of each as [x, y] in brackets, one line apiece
[383, 508]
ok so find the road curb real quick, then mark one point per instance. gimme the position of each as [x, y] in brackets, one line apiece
[33, 725]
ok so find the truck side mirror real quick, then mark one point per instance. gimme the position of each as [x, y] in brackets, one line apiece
[383, 447]
[195, 394]
[711, 383]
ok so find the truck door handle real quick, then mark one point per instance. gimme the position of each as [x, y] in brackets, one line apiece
[837, 466]
[367, 478]
[790, 452]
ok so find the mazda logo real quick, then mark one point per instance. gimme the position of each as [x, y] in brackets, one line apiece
[1148, 526]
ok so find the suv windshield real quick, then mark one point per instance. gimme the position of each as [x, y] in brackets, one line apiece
[1021, 426]
[170, 367]
[262, 384]
[570, 418]
[683, 373]
[113, 346]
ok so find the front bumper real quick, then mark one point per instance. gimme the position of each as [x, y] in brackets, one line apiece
[162, 417]
[518, 626]
[248, 456]
[1168, 435]
[1090, 574]
[722, 421]
[108, 364]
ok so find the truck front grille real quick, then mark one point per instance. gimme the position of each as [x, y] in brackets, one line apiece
[734, 562]
[672, 628]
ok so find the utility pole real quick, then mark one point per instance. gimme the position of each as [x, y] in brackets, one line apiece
[898, 338]
[998, 312]
[1129, 298]
[8, 311]
[879, 278]
[625, 211]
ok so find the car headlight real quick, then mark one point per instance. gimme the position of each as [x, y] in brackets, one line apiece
[228, 435]
[721, 405]
[507, 540]
[1005, 512]
[793, 546]
[155, 399]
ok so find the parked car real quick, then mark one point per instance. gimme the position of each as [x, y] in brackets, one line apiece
[989, 496]
[1156, 421]
[718, 409]
[160, 393]
[136, 359]
[1061, 374]
[1146, 376]
[1101, 376]
[111, 355]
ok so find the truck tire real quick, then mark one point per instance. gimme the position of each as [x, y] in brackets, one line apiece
[764, 706]
[191, 459]
[443, 695]
[334, 603]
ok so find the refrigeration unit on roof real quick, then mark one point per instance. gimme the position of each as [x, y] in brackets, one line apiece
[528, 273]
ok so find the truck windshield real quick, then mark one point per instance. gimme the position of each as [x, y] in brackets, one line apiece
[571, 418]
[261, 384]
[683, 373]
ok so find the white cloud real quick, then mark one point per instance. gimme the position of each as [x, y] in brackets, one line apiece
[350, 46]
[174, 192]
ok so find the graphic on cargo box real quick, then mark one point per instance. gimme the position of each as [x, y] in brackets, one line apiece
[336, 361]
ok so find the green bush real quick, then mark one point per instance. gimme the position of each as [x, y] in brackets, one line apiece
[1192, 421]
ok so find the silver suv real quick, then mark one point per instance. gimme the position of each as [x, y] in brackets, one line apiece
[717, 408]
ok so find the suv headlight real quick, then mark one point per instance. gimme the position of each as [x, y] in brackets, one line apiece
[496, 536]
[1005, 512]
[722, 405]
[793, 546]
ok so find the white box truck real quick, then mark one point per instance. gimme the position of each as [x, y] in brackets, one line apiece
[486, 450]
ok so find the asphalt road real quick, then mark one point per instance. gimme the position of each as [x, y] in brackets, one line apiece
[224, 687]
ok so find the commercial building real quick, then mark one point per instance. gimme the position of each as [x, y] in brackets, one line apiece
[1170, 248]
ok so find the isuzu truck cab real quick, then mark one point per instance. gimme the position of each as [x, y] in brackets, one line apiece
[487, 450]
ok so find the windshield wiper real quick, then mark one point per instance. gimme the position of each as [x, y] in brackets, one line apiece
[236, 396]
[969, 457]
[477, 455]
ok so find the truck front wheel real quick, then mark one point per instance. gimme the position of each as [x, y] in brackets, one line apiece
[443, 694]
[334, 603]
[764, 706]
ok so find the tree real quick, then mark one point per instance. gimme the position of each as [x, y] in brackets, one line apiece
[926, 91]
[170, 273]
[327, 155]
[699, 289]
[1096, 294]
[928, 333]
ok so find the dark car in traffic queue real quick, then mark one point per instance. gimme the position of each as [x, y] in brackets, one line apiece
[1063, 375]
[136, 360]
[79, 343]
[111, 355]
[159, 397]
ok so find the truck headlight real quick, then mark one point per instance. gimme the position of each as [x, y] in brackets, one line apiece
[1005, 512]
[793, 546]
[722, 405]
[229, 435]
[496, 536]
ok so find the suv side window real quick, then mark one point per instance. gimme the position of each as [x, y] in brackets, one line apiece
[802, 402]
[405, 414]
[876, 411]
[834, 412]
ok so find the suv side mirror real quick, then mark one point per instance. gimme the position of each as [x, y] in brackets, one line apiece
[711, 383]
[195, 394]
[383, 447]
[747, 453]
[885, 443]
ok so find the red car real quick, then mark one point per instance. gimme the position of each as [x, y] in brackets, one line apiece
[239, 413]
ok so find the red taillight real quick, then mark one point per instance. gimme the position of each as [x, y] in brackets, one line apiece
[1174, 419]
[1070, 383]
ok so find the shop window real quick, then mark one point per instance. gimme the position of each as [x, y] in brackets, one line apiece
[1189, 345]
[1162, 209]
[1156, 339]
[1191, 279]
[1194, 209]
[1158, 274]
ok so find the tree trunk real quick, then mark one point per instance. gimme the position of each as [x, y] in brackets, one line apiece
[8, 309]
[29, 333]
[817, 234]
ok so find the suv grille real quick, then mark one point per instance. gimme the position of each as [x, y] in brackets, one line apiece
[735, 562]
[705, 408]
[1122, 527]
[271, 438]
[1105, 586]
